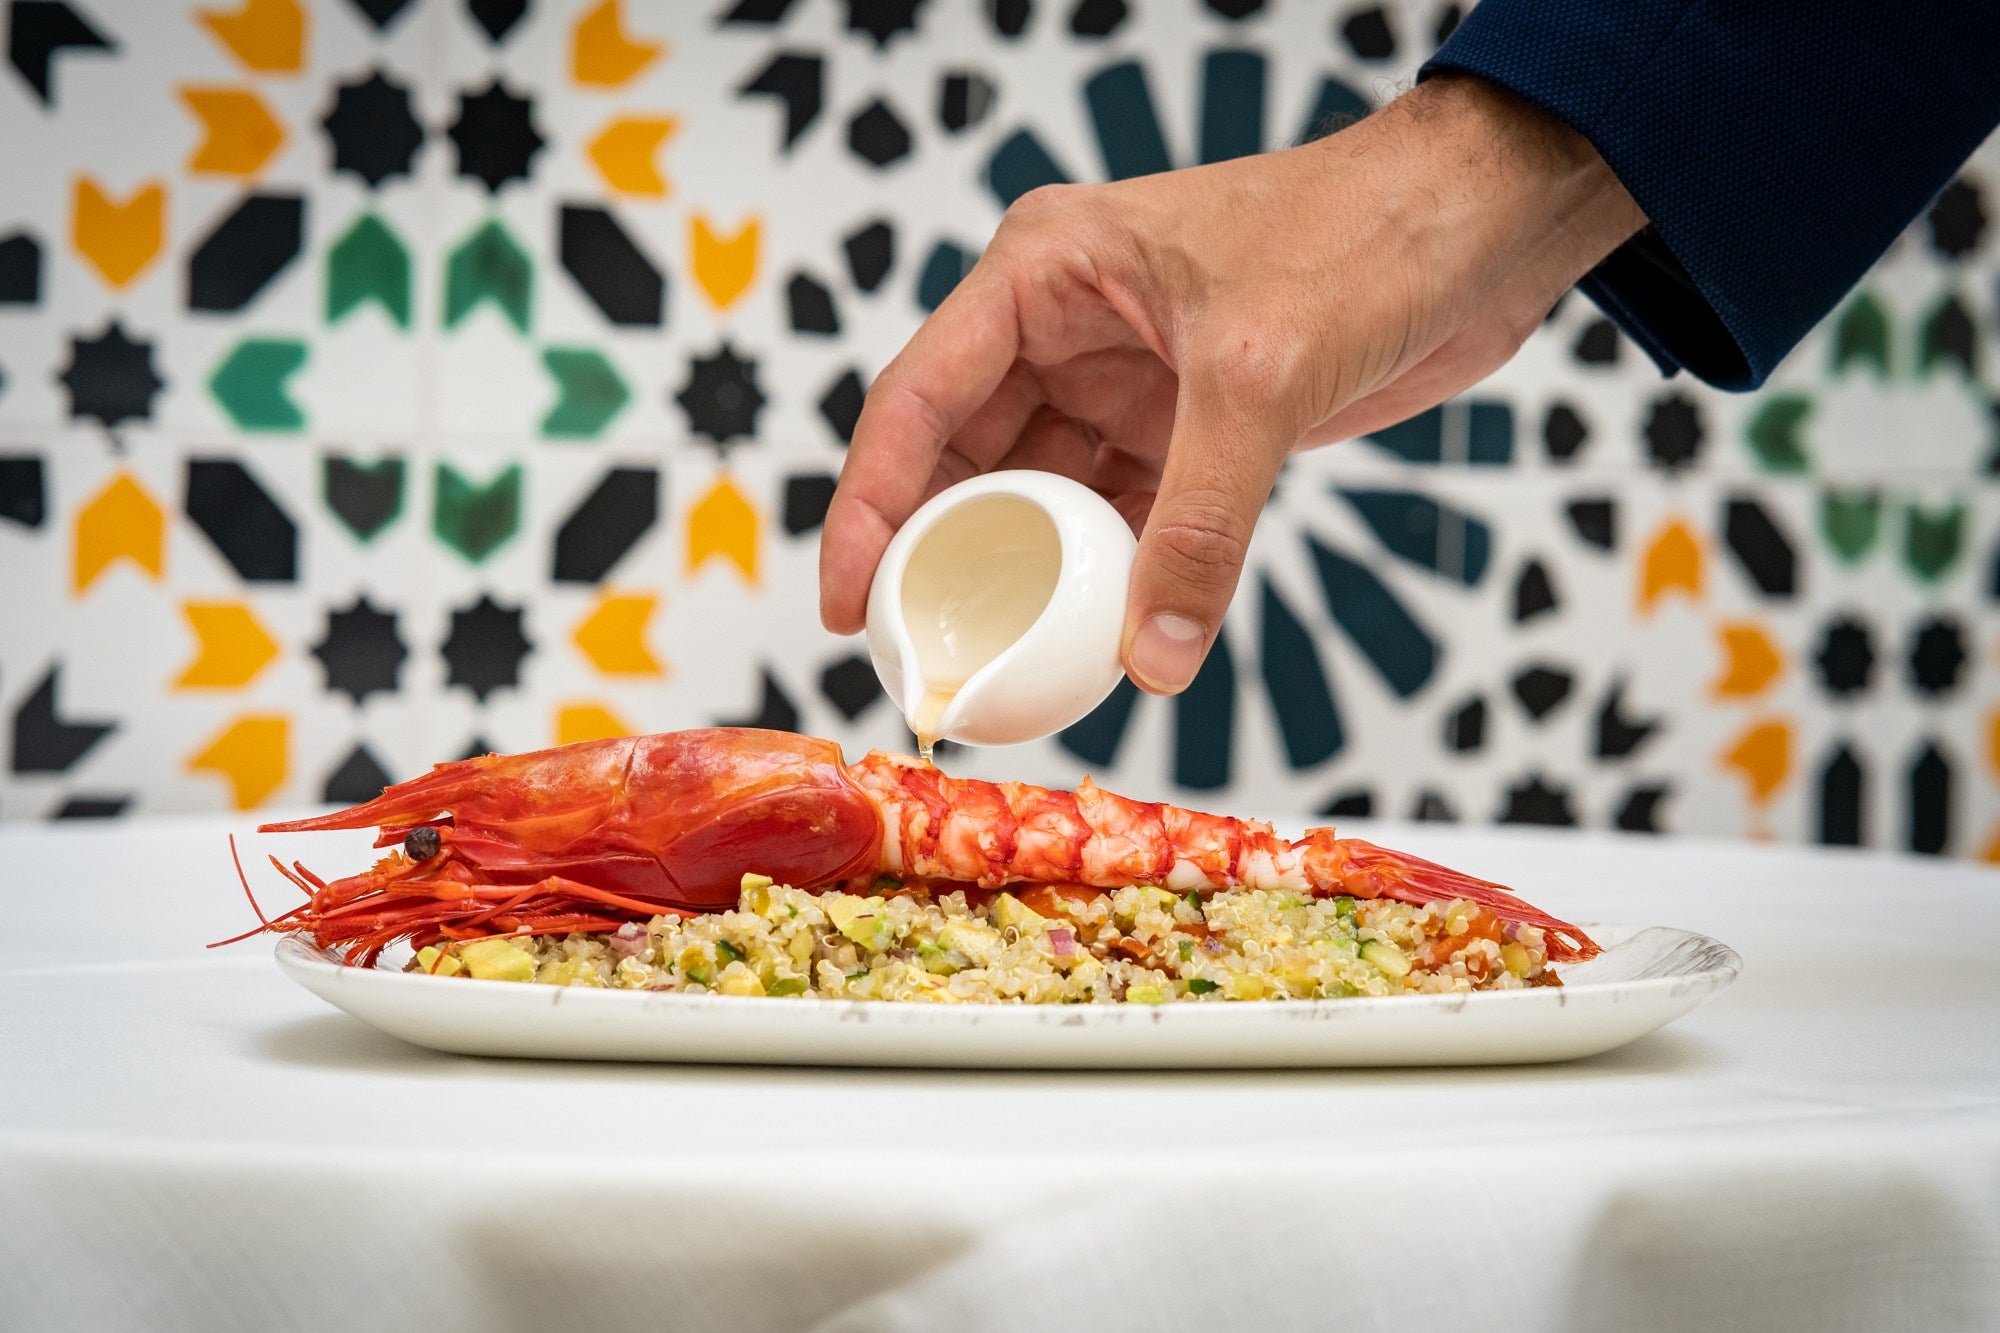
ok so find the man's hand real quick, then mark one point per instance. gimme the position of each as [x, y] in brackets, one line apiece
[1168, 340]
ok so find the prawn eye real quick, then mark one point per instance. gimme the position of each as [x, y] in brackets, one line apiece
[421, 844]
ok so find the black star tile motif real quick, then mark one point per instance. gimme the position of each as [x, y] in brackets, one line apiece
[359, 777]
[1937, 657]
[23, 496]
[1537, 801]
[870, 253]
[366, 497]
[1098, 18]
[850, 685]
[1235, 10]
[1950, 335]
[1958, 219]
[92, 807]
[607, 524]
[254, 534]
[1432, 808]
[43, 741]
[1617, 734]
[877, 135]
[1640, 811]
[1010, 17]
[799, 84]
[1846, 658]
[765, 12]
[1673, 433]
[1540, 689]
[882, 19]
[841, 405]
[1765, 553]
[495, 135]
[20, 270]
[775, 710]
[1534, 592]
[806, 499]
[1597, 345]
[110, 378]
[381, 13]
[1368, 35]
[247, 249]
[496, 17]
[361, 651]
[964, 99]
[375, 134]
[1358, 803]
[1928, 828]
[1595, 522]
[1843, 787]
[721, 397]
[36, 30]
[1465, 726]
[1563, 432]
[810, 306]
[485, 648]
[610, 268]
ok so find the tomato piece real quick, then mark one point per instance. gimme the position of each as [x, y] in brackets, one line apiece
[1058, 899]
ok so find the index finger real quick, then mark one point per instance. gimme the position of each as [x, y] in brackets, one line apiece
[920, 400]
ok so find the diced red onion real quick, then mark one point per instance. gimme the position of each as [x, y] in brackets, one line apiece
[1061, 942]
[629, 940]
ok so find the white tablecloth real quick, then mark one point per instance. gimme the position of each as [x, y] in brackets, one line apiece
[187, 1141]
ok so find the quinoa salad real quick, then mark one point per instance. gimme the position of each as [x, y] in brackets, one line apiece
[1029, 945]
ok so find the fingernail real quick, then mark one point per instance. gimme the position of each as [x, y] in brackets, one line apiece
[1166, 653]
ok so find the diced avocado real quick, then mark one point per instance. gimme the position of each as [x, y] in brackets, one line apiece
[939, 961]
[1386, 957]
[1244, 986]
[787, 986]
[497, 960]
[437, 964]
[1200, 986]
[567, 972]
[863, 920]
[737, 979]
[1187, 950]
[756, 882]
[1145, 993]
[1011, 911]
[978, 944]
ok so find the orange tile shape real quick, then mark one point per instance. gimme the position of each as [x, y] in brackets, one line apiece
[724, 265]
[1993, 743]
[1750, 660]
[723, 524]
[1991, 852]
[250, 754]
[118, 240]
[587, 722]
[1672, 563]
[268, 36]
[121, 522]
[239, 133]
[602, 53]
[613, 635]
[1762, 756]
[232, 646]
[626, 154]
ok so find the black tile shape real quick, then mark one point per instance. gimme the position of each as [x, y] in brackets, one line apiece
[20, 270]
[806, 499]
[965, 97]
[359, 777]
[762, 12]
[361, 651]
[373, 129]
[798, 81]
[1535, 800]
[1764, 551]
[1957, 219]
[877, 135]
[721, 397]
[1564, 432]
[250, 529]
[381, 13]
[1595, 521]
[43, 741]
[1296, 683]
[1928, 822]
[1096, 739]
[1235, 10]
[870, 253]
[610, 268]
[23, 492]
[809, 305]
[1846, 657]
[850, 685]
[1534, 592]
[476, 748]
[606, 525]
[840, 405]
[365, 498]
[1619, 735]
[495, 135]
[236, 261]
[496, 17]
[1597, 345]
[1843, 800]
[1674, 432]
[36, 30]
[1356, 804]
[110, 378]
[1465, 726]
[883, 20]
[1431, 807]
[486, 647]
[1540, 690]
[1950, 335]
[1447, 24]
[1368, 34]
[92, 807]
[1640, 811]
[1009, 17]
[775, 710]
[1098, 18]
[1205, 721]
[1937, 657]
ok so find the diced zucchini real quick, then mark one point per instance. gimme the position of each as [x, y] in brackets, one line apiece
[1145, 993]
[729, 952]
[497, 960]
[787, 986]
[1386, 957]
[1200, 986]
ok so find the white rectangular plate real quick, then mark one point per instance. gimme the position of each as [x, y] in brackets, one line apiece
[1646, 977]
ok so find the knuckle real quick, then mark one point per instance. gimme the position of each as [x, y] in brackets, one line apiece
[1040, 205]
[1200, 546]
[1259, 372]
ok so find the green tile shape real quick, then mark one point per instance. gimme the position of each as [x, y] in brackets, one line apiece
[1773, 433]
[591, 393]
[250, 384]
[1850, 521]
[1933, 539]
[476, 520]
[368, 264]
[1861, 333]
[489, 266]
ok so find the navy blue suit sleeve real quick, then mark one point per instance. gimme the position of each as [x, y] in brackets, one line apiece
[1777, 147]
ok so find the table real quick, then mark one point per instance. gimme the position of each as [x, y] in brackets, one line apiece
[189, 1141]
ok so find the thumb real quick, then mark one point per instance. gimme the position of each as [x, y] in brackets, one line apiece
[1225, 454]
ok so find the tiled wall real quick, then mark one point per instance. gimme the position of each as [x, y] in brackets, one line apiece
[386, 379]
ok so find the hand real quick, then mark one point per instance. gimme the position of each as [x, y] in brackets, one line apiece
[1169, 340]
